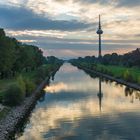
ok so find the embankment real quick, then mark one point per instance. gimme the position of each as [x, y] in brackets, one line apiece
[131, 85]
[18, 114]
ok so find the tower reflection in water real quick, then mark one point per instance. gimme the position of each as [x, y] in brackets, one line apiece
[100, 94]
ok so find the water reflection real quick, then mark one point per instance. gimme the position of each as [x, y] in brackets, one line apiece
[79, 107]
[133, 94]
[100, 94]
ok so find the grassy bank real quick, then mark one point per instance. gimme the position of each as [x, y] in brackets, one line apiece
[13, 91]
[35, 76]
[4, 83]
[131, 74]
[128, 74]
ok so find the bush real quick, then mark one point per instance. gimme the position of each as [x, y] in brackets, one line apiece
[138, 80]
[21, 83]
[14, 95]
[41, 74]
[30, 86]
[1, 96]
[128, 76]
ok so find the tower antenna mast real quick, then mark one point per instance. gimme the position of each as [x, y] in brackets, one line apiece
[100, 32]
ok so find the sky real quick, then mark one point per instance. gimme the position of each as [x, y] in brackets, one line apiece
[67, 28]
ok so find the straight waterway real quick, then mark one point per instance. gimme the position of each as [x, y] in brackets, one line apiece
[77, 106]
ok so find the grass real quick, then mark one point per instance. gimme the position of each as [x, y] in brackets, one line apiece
[31, 78]
[6, 83]
[131, 74]
[128, 74]
[29, 75]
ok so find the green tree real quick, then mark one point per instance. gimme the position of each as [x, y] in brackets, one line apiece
[7, 55]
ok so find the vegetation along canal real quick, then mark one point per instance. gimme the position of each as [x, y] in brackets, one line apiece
[76, 106]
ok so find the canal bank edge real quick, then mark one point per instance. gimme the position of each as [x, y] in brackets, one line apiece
[131, 85]
[18, 114]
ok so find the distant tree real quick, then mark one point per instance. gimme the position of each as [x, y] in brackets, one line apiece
[132, 58]
[15, 56]
[129, 59]
[7, 55]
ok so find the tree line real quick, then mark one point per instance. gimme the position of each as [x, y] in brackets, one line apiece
[26, 67]
[16, 56]
[129, 59]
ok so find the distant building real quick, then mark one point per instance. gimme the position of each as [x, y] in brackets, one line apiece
[100, 32]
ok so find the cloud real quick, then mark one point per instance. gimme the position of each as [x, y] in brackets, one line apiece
[115, 3]
[67, 28]
[54, 44]
[36, 33]
[22, 18]
[66, 50]
[129, 3]
[27, 41]
[102, 2]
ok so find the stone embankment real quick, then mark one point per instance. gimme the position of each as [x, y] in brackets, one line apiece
[18, 114]
[131, 85]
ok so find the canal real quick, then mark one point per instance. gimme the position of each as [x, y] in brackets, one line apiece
[76, 106]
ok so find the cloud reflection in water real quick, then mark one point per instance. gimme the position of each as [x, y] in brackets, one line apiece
[73, 111]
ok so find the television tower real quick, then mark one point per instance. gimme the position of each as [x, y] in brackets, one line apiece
[100, 32]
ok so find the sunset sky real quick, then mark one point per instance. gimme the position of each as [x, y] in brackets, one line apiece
[67, 28]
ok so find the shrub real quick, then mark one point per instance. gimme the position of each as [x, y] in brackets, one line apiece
[30, 86]
[14, 95]
[138, 80]
[41, 74]
[38, 80]
[128, 76]
[21, 83]
[1, 96]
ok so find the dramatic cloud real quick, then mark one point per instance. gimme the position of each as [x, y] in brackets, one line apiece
[123, 3]
[26, 19]
[129, 3]
[69, 26]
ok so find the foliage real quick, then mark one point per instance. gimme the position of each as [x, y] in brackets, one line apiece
[138, 80]
[16, 57]
[26, 80]
[28, 61]
[4, 112]
[127, 75]
[14, 95]
[130, 59]
[131, 74]
[29, 85]
[51, 64]
[17, 92]
[21, 84]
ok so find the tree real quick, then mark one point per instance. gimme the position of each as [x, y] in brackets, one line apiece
[16, 57]
[7, 55]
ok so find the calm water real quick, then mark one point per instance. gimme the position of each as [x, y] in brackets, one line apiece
[78, 107]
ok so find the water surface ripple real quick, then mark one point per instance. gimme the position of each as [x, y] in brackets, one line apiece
[77, 106]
